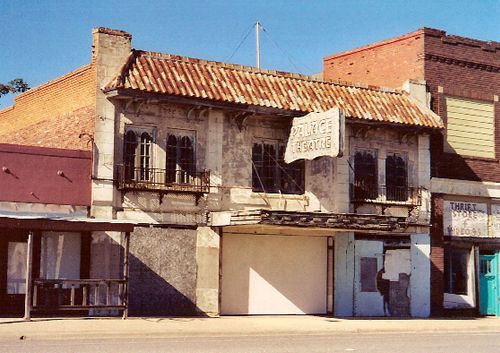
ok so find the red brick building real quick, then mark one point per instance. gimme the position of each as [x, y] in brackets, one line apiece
[462, 80]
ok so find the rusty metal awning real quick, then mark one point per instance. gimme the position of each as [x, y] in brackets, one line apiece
[318, 220]
[67, 224]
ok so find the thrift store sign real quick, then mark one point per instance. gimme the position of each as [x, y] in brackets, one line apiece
[465, 219]
[316, 135]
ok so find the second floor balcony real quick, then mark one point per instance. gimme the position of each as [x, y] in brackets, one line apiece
[384, 195]
[163, 180]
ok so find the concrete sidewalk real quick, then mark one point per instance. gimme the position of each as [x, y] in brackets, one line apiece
[230, 326]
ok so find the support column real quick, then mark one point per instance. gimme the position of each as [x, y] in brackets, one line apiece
[125, 274]
[420, 279]
[207, 279]
[29, 274]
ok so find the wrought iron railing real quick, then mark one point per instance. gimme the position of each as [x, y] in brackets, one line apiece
[382, 194]
[162, 179]
[79, 294]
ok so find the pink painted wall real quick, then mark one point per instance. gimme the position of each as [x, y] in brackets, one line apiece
[33, 174]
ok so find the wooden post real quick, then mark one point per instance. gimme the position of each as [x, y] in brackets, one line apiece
[477, 274]
[29, 274]
[125, 274]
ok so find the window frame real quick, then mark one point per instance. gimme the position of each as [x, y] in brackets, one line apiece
[183, 173]
[143, 164]
[364, 188]
[270, 173]
[449, 271]
[395, 190]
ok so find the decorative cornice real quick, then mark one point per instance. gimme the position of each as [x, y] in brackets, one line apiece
[350, 221]
[460, 62]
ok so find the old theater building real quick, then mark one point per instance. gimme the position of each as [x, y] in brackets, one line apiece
[193, 152]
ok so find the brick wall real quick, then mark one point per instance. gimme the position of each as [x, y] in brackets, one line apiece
[463, 68]
[389, 63]
[451, 66]
[437, 255]
[53, 114]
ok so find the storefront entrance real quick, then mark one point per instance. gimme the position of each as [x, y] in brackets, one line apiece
[488, 282]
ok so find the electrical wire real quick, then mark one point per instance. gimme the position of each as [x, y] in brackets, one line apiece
[288, 56]
[241, 42]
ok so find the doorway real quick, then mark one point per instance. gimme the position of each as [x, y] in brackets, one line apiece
[488, 284]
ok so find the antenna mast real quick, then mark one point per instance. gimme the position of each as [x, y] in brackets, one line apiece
[257, 43]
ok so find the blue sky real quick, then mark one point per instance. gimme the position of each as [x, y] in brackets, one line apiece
[41, 40]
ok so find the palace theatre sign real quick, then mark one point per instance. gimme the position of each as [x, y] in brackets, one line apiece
[316, 135]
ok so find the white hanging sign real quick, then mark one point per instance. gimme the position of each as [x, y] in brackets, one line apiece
[465, 219]
[316, 135]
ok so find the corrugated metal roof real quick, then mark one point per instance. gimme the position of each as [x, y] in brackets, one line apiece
[221, 82]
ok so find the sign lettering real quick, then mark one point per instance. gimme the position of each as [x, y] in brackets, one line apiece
[465, 219]
[316, 135]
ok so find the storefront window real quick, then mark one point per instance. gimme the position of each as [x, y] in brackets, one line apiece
[16, 267]
[456, 263]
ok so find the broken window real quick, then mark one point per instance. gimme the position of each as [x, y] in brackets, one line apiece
[365, 175]
[456, 263]
[181, 161]
[270, 173]
[396, 177]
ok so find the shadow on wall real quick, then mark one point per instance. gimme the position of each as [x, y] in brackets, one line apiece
[449, 165]
[162, 272]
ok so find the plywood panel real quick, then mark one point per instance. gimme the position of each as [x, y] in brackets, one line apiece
[273, 275]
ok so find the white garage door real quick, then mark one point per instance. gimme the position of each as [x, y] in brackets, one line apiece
[273, 275]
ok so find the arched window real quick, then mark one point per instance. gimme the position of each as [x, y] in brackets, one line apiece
[181, 161]
[145, 156]
[186, 160]
[396, 177]
[365, 175]
[130, 155]
[171, 164]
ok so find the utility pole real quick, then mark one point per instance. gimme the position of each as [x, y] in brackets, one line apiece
[257, 43]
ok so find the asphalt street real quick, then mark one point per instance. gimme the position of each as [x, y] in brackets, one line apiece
[477, 342]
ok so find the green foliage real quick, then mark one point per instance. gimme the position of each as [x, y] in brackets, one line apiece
[15, 86]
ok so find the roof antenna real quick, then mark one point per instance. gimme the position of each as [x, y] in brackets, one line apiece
[257, 43]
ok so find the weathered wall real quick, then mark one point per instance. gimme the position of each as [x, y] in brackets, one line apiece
[383, 142]
[160, 119]
[111, 49]
[207, 276]
[344, 274]
[420, 275]
[162, 272]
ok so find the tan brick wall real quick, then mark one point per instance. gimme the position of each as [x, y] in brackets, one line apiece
[389, 63]
[64, 105]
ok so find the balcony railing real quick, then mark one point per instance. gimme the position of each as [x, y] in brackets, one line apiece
[162, 180]
[79, 294]
[385, 195]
